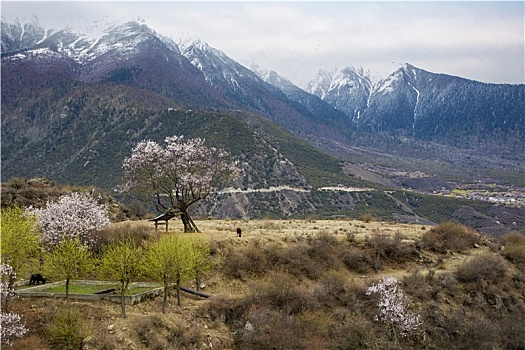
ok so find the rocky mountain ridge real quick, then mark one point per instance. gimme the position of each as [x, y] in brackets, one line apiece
[74, 105]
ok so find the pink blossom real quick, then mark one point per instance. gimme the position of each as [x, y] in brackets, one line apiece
[7, 278]
[74, 215]
[11, 327]
[393, 306]
[178, 173]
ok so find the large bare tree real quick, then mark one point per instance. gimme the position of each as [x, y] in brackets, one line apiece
[177, 174]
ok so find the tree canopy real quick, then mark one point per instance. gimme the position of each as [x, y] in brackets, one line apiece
[121, 262]
[70, 259]
[74, 215]
[20, 239]
[177, 174]
[166, 261]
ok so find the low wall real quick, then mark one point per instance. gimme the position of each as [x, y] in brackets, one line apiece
[42, 291]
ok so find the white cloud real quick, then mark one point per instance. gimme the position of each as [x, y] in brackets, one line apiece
[477, 40]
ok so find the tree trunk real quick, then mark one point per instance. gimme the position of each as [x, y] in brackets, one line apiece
[67, 291]
[123, 288]
[189, 225]
[178, 290]
[122, 304]
[10, 289]
[165, 302]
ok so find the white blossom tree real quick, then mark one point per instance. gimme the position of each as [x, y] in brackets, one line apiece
[11, 325]
[7, 280]
[74, 215]
[178, 174]
[393, 307]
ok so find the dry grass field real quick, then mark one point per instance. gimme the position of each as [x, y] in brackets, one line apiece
[300, 284]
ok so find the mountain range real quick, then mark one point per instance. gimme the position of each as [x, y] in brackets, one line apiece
[74, 105]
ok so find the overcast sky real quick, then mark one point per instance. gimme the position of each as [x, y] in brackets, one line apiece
[477, 40]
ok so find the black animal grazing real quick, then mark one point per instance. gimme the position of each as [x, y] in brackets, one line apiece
[36, 279]
[239, 232]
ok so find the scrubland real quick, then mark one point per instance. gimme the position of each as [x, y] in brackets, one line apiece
[301, 284]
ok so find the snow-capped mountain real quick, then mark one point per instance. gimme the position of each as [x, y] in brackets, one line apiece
[347, 90]
[308, 103]
[426, 106]
[340, 109]
[251, 90]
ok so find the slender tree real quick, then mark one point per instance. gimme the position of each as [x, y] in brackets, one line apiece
[121, 262]
[198, 255]
[70, 259]
[72, 215]
[178, 174]
[20, 240]
[166, 262]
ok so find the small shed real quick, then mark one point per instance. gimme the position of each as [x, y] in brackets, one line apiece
[163, 218]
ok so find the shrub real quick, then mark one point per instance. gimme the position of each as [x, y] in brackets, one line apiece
[268, 329]
[489, 267]
[335, 289]
[449, 236]
[470, 332]
[67, 330]
[366, 217]
[241, 264]
[150, 337]
[416, 285]
[225, 310]
[332, 288]
[514, 244]
[392, 248]
[282, 292]
[357, 333]
[323, 249]
[295, 260]
[138, 232]
[360, 261]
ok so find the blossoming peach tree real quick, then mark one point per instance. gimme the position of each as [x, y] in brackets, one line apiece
[11, 325]
[73, 215]
[393, 307]
[177, 174]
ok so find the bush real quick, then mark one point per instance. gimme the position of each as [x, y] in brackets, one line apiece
[514, 244]
[295, 260]
[282, 292]
[241, 264]
[449, 236]
[67, 330]
[357, 333]
[416, 285]
[488, 267]
[392, 248]
[138, 232]
[270, 329]
[366, 217]
[360, 261]
[323, 250]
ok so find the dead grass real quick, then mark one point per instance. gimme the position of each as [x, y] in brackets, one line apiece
[300, 284]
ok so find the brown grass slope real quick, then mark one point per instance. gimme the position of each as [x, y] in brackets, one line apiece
[301, 284]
